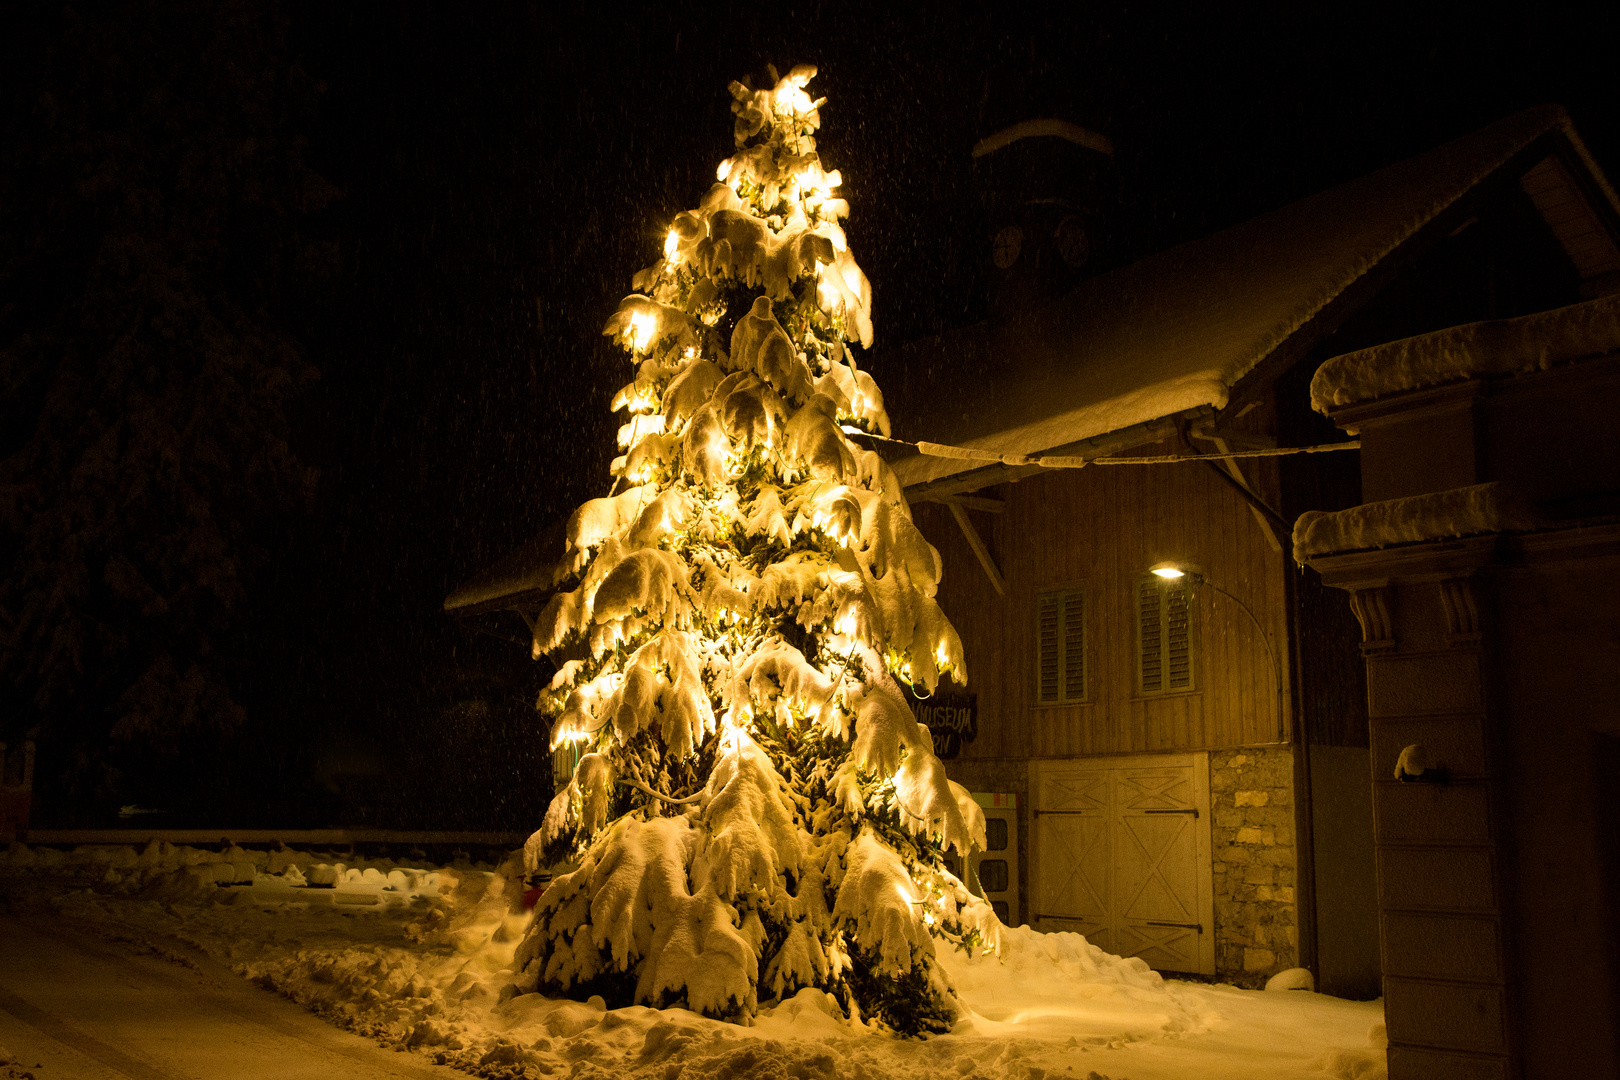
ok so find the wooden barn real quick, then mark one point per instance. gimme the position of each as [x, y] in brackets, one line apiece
[1178, 767]
[1184, 760]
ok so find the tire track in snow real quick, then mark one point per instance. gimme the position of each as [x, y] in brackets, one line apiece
[198, 1020]
[58, 1030]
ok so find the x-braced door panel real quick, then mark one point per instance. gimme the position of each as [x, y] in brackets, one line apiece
[1122, 856]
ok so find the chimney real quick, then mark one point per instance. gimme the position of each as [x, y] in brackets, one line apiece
[1047, 187]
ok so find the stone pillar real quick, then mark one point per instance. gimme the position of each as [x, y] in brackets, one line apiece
[1488, 667]
[1439, 837]
[1486, 577]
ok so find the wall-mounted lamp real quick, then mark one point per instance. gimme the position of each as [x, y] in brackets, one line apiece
[1417, 765]
[1172, 570]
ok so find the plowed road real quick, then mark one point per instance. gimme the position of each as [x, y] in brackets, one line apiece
[81, 1008]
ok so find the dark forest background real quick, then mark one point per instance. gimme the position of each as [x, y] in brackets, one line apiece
[300, 309]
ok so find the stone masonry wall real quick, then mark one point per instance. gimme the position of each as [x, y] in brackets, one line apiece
[1251, 794]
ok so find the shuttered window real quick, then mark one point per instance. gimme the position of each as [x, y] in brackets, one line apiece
[1060, 631]
[1164, 636]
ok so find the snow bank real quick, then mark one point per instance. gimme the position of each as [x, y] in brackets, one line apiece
[428, 967]
[163, 873]
[1500, 347]
[1060, 986]
[1469, 511]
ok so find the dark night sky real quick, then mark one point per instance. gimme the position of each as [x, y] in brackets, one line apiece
[503, 173]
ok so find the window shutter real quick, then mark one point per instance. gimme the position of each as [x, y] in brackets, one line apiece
[1060, 631]
[1048, 643]
[1074, 646]
[1164, 636]
[1178, 639]
[1150, 640]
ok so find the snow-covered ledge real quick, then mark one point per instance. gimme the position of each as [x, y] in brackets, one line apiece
[1442, 515]
[1500, 347]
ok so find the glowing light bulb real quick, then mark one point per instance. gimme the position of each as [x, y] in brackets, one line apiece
[672, 244]
[642, 325]
[827, 296]
[939, 655]
[723, 171]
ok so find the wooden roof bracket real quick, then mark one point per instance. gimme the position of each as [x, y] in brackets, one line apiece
[1272, 525]
[976, 542]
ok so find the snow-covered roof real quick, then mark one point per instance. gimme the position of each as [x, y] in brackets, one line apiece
[1178, 330]
[1496, 347]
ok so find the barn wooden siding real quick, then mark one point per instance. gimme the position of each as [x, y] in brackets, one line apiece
[1101, 528]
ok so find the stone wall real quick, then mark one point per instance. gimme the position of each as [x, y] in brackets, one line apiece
[1251, 794]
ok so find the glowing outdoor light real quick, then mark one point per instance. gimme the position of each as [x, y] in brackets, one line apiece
[672, 243]
[1171, 570]
[642, 325]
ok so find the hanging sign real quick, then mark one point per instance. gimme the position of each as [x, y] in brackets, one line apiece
[952, 718]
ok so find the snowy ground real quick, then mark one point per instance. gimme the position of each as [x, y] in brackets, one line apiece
[418, 958]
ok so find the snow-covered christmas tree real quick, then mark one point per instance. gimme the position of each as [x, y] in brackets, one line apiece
[755, 810]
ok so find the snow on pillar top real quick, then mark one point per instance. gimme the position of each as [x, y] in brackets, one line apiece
[1473, 350]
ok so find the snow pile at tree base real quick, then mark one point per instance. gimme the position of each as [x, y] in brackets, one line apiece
[1061, 986]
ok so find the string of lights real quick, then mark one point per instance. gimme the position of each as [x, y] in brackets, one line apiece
[1051, 461]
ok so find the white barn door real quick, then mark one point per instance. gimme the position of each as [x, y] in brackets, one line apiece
[1121, 852]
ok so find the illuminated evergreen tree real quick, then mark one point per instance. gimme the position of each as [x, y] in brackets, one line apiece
[755, 810]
